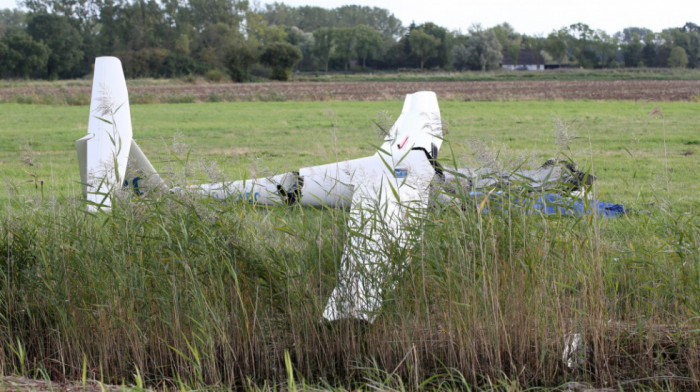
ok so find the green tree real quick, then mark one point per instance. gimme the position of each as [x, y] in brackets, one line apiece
[11, 21]
[344, 45]
[678, 58]
[182, 45]
[628, 34]
[136, 25]
[510, 40]
[214, 44]
[582, 45]
[109, 38]
[688, 38]
[397, 54]
[309, 18]
[240, 57]
[368, 43]
[632, 51]
[663, 45]
[377, 18]
[272, 34]
[295, 35]
[460, 57]
[21, 56]
[82, 13]
[442, 58]
[649, 51]
[423, 45]
[281, 57]
[63, 40]
[556, 44]
[323, 45]
[281, 14]
[305, 43]
[606, 48]
[484, 52]
[212, 12]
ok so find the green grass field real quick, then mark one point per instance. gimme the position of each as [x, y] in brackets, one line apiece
[182, 293]
[635, 149]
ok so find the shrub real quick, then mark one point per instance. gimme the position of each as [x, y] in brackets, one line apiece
[21, 56]
[214, 75]
[238, 61]
[176, 65]
[281, 57]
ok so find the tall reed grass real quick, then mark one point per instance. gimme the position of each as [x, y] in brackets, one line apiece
[170, 291]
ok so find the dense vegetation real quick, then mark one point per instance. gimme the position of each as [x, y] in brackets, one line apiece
[177, 292]
[58, 39]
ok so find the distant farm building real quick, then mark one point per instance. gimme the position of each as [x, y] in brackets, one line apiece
[528, 60]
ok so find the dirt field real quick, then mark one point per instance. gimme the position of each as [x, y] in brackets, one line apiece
[644, 90]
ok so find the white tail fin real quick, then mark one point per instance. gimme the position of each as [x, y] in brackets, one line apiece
[108, 156]
[103, 154]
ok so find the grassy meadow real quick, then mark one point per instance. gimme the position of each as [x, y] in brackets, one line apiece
[637, 150]
[173, 292]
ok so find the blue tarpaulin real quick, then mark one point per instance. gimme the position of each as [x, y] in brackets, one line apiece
[556, 204]
[552, 203]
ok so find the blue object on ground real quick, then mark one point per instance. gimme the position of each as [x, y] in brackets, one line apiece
[556, 204]
[552, 203]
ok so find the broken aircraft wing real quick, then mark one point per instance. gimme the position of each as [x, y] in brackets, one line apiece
[390, 198]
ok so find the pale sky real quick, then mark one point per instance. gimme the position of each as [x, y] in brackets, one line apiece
[532, 17]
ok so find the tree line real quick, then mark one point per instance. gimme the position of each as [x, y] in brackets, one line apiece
[54, 39]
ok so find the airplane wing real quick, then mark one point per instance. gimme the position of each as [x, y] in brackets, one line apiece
[390, 198]
[386, 214]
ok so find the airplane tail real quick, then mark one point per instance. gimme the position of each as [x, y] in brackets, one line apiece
[108, 156]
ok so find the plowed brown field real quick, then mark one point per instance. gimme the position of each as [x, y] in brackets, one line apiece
[647, 90]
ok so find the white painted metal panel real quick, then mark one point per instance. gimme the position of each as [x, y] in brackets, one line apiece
[107, 151]
[387, 211]
[140, 173]
[268, 191]
[388, 205]
[332, 185]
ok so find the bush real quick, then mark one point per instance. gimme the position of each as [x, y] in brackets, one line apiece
[214, 75]
[678, 58]
[21, 56]
[147, 62]
[238, 61]
[176, 65]
[281, 57]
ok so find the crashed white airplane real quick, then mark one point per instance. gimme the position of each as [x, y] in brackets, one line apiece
[386, 192]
